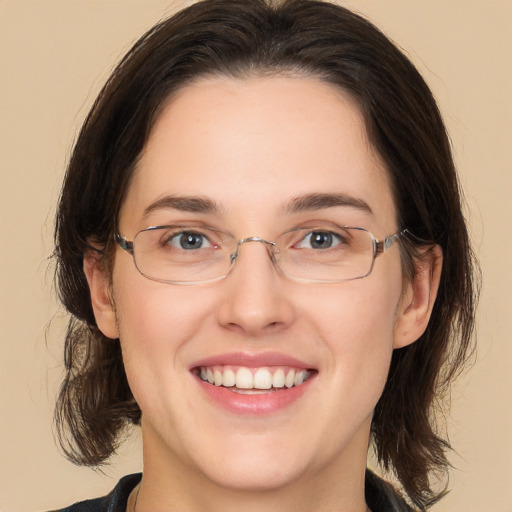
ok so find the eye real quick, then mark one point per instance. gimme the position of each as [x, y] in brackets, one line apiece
[320, 240]
[189, 241]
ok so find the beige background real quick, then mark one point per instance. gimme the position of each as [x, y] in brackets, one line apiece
[54, 57]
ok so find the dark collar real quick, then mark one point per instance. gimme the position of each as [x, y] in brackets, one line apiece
[380, 497]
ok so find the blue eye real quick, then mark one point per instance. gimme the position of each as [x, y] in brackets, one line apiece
[320, 240]
[189, 241]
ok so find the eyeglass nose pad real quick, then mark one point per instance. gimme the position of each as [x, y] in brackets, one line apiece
[271, 246]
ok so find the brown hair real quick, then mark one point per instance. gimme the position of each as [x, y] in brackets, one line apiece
[237, 38]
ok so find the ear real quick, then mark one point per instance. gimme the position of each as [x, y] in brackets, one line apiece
[101, 296]
[418, 298]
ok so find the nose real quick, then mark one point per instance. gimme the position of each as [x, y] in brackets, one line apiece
[256, 299]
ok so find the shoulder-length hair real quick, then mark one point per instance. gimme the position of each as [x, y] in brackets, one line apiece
[240, 39]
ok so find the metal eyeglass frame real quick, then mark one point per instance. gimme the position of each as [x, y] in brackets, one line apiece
[379, 247]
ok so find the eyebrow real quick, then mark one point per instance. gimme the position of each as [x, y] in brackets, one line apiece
[194, 204]
[319, 201]
[307, 202]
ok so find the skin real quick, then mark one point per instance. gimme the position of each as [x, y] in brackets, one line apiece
[252, 146]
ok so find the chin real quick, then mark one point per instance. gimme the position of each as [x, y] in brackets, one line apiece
[254, 476]
[261, 462]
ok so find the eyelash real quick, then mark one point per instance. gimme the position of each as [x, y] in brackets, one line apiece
[176, 236]
[329, 235]
[174, 239]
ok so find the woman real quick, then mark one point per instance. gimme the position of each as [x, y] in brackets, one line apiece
[260, 240]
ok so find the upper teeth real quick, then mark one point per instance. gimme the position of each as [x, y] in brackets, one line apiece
[253, 378]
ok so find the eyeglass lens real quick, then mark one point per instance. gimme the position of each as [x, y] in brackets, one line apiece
[189, 254]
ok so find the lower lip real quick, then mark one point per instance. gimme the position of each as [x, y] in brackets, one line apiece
[259, 404]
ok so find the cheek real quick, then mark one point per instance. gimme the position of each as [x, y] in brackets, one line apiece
[156, 324]
[357, 313]
[356, 329]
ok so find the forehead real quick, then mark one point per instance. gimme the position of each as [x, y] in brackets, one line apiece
[253, 145]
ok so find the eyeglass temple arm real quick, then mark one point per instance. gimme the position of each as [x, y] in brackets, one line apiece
[385, 244]
[123, 243]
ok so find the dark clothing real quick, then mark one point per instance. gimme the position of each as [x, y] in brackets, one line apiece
[380, 497]
[115, 501]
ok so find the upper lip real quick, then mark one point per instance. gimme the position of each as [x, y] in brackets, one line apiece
[251, 360]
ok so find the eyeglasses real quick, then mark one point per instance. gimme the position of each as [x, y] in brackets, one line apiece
[327, 253]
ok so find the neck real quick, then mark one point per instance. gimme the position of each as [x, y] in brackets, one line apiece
[169, 484]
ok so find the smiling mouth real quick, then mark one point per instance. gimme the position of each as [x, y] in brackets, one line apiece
[245, 380]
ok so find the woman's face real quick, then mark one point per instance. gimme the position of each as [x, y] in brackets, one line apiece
[251, 150]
